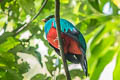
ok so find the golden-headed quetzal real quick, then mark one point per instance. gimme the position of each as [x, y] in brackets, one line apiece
[73, 41]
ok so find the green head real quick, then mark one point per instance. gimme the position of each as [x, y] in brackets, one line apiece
[48, 18]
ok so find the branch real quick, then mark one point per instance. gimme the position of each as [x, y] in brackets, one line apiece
[57, 18]
[25, 25]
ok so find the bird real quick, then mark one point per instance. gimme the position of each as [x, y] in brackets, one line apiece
[73, 41]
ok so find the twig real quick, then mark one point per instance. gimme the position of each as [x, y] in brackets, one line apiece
[57, 18]
[25, 25]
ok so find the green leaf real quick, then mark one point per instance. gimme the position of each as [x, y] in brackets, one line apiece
[76, 72]
[28, 6]
[103, 30]
[2, 73]
[116, 72]
[116, 2]
[15, 12]
[3, 4]
[49, 64]
[9, 44]
[23, 67]
[101, 63]
[34, 28]
[95, 4]
[17, 48]
[4, 36]
[64, 1]
[103, 2]
[82, 26]
[7, 58]
[61, 77]
[115, 8]
[39, 77]
[99, 49]
[97, 36]
[12, 74]
[38, 56]
[103, 45]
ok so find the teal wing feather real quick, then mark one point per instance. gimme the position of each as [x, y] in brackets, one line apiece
[48, 25]
[82, 42]
[68, 28]
[65, 25]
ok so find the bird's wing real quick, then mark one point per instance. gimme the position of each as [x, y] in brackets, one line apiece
[69, 29]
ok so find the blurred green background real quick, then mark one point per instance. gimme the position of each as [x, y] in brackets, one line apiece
[27, 55]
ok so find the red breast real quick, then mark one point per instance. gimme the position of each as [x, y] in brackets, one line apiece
[70, 45]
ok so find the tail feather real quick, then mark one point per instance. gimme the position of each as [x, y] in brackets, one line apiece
[74, 58]
[84, 66]
[83, 62]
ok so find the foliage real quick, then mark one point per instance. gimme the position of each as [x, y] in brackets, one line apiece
[99, 24]
[40, 77]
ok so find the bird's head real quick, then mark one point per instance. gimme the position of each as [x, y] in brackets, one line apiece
[48, 18]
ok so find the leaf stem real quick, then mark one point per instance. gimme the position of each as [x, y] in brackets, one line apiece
[57, 18]
[25, 25]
